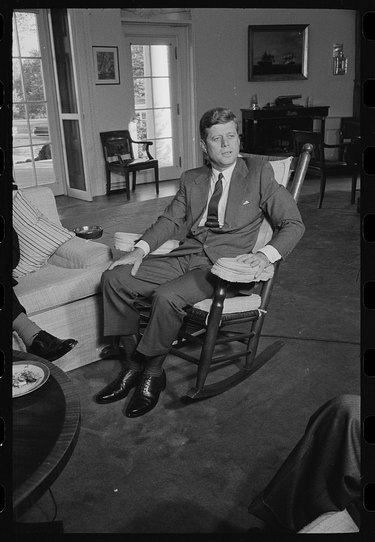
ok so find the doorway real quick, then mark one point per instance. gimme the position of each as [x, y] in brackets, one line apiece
[162, 94]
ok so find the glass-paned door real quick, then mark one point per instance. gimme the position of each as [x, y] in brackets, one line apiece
[156, 103]
[34, 160]
[69, 106]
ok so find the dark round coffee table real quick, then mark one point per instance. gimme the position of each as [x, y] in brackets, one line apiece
[45, 431]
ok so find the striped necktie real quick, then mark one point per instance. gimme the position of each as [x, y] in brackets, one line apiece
[213, 206]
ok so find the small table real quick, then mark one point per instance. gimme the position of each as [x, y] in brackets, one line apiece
[45, 431]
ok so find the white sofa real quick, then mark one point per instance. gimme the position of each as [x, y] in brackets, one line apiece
[63, 296]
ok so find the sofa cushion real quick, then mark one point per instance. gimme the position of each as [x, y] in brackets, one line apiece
[52, 286]
[38, 236]
[43, 199]
[81, 253]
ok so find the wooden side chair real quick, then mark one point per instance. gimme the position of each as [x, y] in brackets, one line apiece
[213, 323]
[348, 162]
[119, 158]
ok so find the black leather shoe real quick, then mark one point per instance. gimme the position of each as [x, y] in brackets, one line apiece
[113, 351]
[146, 395]
[49, 347]
[119, 388]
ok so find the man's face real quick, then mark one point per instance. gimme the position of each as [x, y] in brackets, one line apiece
[222, 145]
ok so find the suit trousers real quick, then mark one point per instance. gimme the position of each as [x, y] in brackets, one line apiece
[171, 283]
[321, 474]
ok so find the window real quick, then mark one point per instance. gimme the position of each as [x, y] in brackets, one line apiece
[32, 151]
[152, 96]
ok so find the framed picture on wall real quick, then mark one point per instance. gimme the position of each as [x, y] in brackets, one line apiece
[106, 70]
[277, 52]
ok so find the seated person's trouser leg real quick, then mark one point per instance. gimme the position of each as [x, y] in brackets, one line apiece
[171, 284]
[321, 474]
[17, 308]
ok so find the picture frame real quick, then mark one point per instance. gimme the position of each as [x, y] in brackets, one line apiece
[277, 52]
[106, 67]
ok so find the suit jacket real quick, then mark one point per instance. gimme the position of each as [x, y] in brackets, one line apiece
[253, 194]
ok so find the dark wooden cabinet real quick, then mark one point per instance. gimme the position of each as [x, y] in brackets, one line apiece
[268, 130]
[350, 128]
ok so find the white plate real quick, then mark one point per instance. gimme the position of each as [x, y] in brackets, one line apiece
[38, 372]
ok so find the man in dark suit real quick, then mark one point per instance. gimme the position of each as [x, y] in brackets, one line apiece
[220, 207]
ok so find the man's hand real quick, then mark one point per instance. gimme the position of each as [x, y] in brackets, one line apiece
[258, 260]
[134, 257]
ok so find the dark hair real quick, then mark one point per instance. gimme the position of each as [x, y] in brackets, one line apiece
[218, 115]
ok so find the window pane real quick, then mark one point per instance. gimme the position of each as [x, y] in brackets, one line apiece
[42, 152]
[15, 50]
[145, 124]
[137, 60]
[17, 81]
[160, 88]
[146, 60]
[27, 34]
[21, 155]
[20, 128]
[159, 59]
[139, 92]
[142, 93]
[45, 172]
[164, 152]
[74, 152]
[163, 125]
[23, 169]
[38, 121]
[64, 60]
[33, 79]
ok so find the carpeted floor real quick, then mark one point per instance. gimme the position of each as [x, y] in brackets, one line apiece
[195, 468]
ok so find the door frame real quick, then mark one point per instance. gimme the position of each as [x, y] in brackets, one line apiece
[185, 85]
[78, 27]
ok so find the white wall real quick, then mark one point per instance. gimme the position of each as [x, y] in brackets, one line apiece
[221, 58]
[220, 49]
[113, 103]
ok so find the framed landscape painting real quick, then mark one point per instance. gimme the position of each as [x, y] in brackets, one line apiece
[278, 52]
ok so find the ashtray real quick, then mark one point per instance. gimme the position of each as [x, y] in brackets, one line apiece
[89, 232]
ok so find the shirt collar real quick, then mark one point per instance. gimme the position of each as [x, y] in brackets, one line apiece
[227, 173]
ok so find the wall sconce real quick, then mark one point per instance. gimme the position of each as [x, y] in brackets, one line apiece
[340, 62]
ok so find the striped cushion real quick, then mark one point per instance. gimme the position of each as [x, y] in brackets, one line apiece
[38, 236]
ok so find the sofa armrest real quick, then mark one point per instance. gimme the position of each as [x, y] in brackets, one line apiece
[78, 253]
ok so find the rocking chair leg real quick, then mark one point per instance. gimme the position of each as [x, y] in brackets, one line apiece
[134, 174]
[211, 334]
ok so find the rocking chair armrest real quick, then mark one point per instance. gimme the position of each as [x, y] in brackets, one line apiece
[226, 269]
